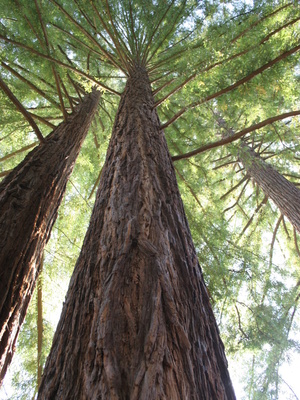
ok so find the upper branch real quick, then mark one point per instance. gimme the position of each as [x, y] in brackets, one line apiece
[237, 135]
[69, 67]
[233, 86]
[22, 110]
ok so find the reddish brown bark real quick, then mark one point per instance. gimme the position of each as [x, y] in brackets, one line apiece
[40, 326]
[29, 199]
[137, 323]
[284, 193]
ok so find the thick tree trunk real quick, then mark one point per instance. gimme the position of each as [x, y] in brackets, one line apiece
[137, 323]
[29, 199]
[285, 194]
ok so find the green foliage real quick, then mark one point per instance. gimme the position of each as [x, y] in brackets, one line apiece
[205, 60]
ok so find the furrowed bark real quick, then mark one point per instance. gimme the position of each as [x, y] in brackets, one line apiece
[29, 200]
[137, 323]
[284, 193]
[40, 326]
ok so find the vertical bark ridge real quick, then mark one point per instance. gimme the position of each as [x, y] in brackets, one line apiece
[29, 200]
[137, 323]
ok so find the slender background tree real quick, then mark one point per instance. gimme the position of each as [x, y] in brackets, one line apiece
[29, 200]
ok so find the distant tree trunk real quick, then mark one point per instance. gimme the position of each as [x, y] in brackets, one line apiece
[137, 323]
[29, 200]
[284, 193]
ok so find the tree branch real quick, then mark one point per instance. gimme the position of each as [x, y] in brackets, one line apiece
[69, 67]
[30, 84]
[25, 148]
[233, 86]
[237, 135]
[22, 110]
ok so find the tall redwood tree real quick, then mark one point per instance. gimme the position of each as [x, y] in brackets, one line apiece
[137, 322]
[29, 200]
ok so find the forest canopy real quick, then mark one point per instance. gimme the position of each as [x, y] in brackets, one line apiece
[225, 76]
